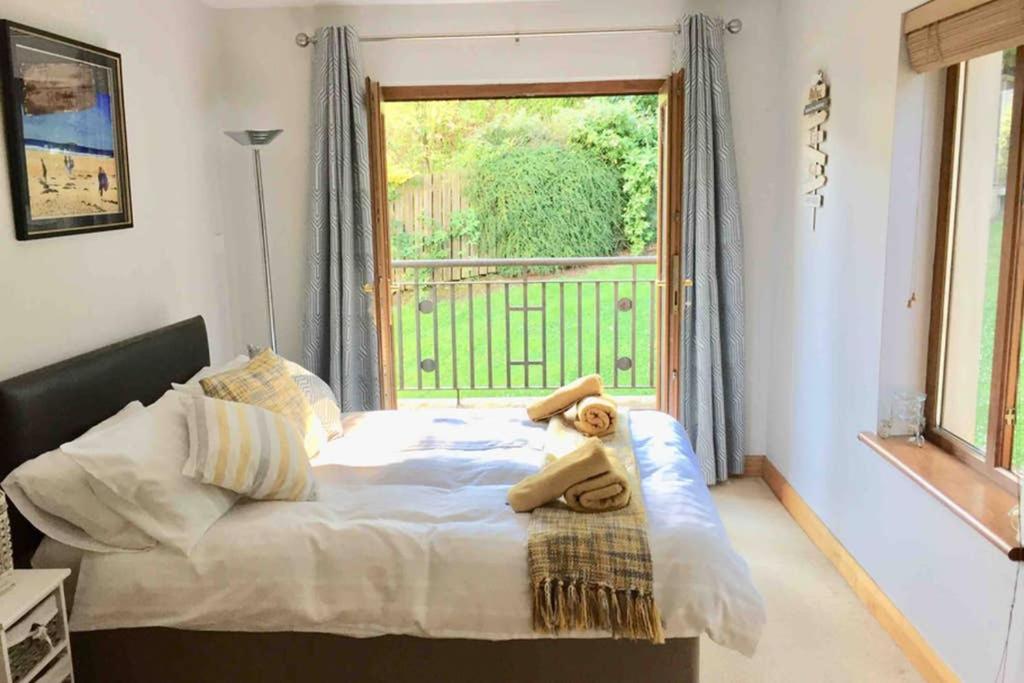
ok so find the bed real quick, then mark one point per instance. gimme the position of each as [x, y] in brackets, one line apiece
[408, 567]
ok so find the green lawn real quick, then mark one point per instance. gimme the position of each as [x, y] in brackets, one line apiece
[589, 333]
[995, 241]
[988, 334]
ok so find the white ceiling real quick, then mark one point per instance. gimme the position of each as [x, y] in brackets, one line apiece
[252, 4]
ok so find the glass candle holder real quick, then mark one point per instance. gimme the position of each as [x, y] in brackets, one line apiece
[907, 416]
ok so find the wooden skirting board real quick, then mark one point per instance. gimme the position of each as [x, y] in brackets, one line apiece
[753, 465]
[921, 655]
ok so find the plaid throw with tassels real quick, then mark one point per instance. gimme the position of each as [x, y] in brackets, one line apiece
[593, 570]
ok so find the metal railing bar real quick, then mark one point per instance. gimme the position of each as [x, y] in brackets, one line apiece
[632, 344]
[542, 388]
[427, 283]
[652, 341]
[526, 329]
[427, 278]
[437, 354]
[561, 332]
[472, 346]
[544, 332]
[508, 343]
[579, 329]
[597, 327]
[498, 262]
[419, 346]
[615, 353]
[454, 339]
[399, 340]
[490, 356]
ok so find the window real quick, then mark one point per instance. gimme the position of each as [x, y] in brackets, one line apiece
[974, 364]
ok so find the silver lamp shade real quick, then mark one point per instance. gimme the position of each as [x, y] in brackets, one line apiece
[253, 138]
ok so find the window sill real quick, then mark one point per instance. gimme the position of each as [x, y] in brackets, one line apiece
[983, 504]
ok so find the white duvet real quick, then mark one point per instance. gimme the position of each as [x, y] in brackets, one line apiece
[411, 535]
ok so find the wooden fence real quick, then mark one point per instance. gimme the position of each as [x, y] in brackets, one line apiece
[426, 202]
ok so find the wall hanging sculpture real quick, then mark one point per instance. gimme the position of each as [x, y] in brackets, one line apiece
[815, 115]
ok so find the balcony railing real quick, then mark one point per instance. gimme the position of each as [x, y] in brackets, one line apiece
[532, 325]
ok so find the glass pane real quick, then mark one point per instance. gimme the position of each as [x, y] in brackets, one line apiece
[980, 196]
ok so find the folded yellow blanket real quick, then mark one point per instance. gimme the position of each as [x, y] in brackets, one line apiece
[563, 398]
[596, 415]
[591, 462]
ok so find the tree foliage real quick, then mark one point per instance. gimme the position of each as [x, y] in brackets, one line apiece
[625, 137]
[436, 242]
[545, 201]
[556, 138]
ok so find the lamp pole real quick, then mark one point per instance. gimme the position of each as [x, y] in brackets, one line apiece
[255, 140]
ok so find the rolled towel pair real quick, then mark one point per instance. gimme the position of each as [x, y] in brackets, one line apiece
[590, 478]
[596, 415]
[560, 400]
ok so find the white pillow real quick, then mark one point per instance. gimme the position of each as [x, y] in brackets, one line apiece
[52, 492]
[135, 468]
[193, 387]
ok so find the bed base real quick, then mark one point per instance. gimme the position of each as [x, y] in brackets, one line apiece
[178, 656]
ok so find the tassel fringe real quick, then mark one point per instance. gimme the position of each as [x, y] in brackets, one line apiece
[560, 605]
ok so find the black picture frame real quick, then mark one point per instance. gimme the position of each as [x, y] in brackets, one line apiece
[92, 192]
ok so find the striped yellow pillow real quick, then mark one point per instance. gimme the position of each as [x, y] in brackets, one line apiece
[246, 449]
[265, 382]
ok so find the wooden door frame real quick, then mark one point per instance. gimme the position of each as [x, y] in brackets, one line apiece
[670, 242]
[505, 91]
[667, 383]
[381, 287]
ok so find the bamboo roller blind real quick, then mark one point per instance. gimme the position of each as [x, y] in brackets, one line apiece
[944, 32]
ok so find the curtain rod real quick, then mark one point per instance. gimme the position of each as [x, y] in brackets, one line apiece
[733, 26]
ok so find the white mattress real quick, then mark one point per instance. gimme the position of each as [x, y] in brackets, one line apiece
[411, 535]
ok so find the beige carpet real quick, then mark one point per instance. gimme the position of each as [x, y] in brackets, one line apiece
[817, 628]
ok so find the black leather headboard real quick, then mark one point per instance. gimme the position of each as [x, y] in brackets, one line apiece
[44, 408]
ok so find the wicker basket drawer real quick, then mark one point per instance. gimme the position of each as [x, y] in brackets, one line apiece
[57, 671]
[33, 637]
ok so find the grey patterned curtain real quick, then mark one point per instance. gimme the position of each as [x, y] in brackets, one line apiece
[712, 348]
[339, 335]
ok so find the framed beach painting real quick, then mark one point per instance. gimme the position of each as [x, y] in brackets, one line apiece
[64, 124]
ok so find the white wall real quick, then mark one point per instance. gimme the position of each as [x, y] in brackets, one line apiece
[70, 294]
[837, 298]
[266, 80]
[910, 243]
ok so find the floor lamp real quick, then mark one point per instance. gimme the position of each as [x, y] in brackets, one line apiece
[254, 140]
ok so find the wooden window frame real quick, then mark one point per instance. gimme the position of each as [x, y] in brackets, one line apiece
[996, 460]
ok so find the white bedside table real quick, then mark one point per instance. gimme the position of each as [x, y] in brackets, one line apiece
[34, 642]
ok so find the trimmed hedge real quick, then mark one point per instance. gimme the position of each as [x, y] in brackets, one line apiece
[545, 201]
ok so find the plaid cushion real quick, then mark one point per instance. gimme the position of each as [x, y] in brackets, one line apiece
[265, 382]
[316, 391]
